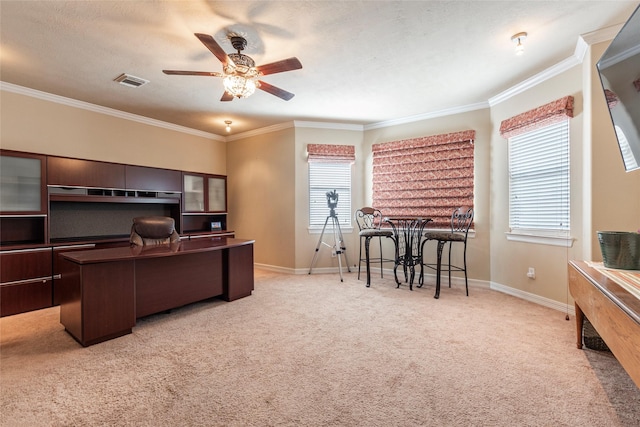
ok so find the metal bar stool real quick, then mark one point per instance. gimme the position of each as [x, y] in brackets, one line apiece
[461, 220]
[369, 221]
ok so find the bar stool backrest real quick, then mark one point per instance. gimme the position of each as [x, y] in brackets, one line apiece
[368, 218]
[461, 220]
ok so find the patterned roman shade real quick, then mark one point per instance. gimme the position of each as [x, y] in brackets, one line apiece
[331, 153]
[424, 177]
[544, 115]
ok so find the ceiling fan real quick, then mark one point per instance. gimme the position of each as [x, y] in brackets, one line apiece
[240, 75]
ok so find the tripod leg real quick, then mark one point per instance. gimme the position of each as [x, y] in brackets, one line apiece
[337, 243]
[315, 254]
[342, 246]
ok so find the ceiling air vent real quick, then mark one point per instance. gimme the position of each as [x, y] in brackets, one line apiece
[131, 81]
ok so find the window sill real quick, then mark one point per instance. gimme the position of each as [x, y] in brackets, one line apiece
[318, 230]
[565, 242]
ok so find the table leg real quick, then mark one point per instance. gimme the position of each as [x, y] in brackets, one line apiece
[439, 268]
[366, 251]
[579, 325]
[395, 275]
[412, 275]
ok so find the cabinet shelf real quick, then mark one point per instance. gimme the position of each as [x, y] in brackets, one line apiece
[22, 230]
[113, 199]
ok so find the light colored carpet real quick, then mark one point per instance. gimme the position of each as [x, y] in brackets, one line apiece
[312, 351]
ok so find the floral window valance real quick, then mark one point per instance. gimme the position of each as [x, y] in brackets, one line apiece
[545, 115]
[331, 153]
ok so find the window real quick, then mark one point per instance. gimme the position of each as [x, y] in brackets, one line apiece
[325, 177]
[539, 173]
[330, 170]
[539, 181]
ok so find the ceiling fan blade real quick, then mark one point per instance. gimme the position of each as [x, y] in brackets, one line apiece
[215, 48]
[226, 96]
[280, 66]
[193, 73]
[273, 90]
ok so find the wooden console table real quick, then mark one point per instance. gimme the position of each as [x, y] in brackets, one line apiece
[104, 291]
[613, 311]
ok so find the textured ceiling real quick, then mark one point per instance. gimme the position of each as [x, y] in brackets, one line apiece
[364, 62]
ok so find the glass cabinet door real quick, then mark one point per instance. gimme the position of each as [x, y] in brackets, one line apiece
[193, 193]
[217, 195]
[20, 184]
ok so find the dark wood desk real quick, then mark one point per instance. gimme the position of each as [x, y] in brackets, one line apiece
[613, 311]
[104, 291]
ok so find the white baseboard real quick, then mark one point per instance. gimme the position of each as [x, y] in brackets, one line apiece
[562, 307]
[431, 278]
[276, 268]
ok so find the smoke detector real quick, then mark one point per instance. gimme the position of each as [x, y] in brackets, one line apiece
[131, 81]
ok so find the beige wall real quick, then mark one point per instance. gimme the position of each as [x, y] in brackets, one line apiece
[510, 260]
[614, 193]
[261, 195]
[41, 126]
[268, 185]
[306, 241]
[478, 250]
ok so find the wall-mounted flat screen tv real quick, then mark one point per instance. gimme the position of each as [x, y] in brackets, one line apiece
[619, 70]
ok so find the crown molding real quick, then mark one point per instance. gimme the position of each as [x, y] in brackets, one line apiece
[426, 116]
[21, 90]
[535, 80]
[261, 131]
[296, 124]
[326, 125]
[601, 35]
[582, 45]
[594, 37]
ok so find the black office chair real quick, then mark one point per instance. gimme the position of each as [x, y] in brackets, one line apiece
[461, 220]
[369, 221]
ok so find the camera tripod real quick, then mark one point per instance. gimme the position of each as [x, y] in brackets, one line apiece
[338, 243]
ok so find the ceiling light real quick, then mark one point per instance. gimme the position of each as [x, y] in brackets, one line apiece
[239, 86]
[228, 123]
[241, 74]
[518, 39]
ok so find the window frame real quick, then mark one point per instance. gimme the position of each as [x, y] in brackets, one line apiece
[318, 199]
[541, 141]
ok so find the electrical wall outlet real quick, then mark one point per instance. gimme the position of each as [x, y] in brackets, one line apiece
[531, 274]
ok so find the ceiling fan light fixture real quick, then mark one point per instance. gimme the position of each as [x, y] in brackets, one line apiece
[239, 86]
[240, 76]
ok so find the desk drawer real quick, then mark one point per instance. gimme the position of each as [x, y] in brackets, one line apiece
[25, 295]
[25, 280]
[25, 264]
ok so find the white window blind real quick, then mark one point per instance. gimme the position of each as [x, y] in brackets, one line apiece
[325, 177]
[627, 155]
[539, 180]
